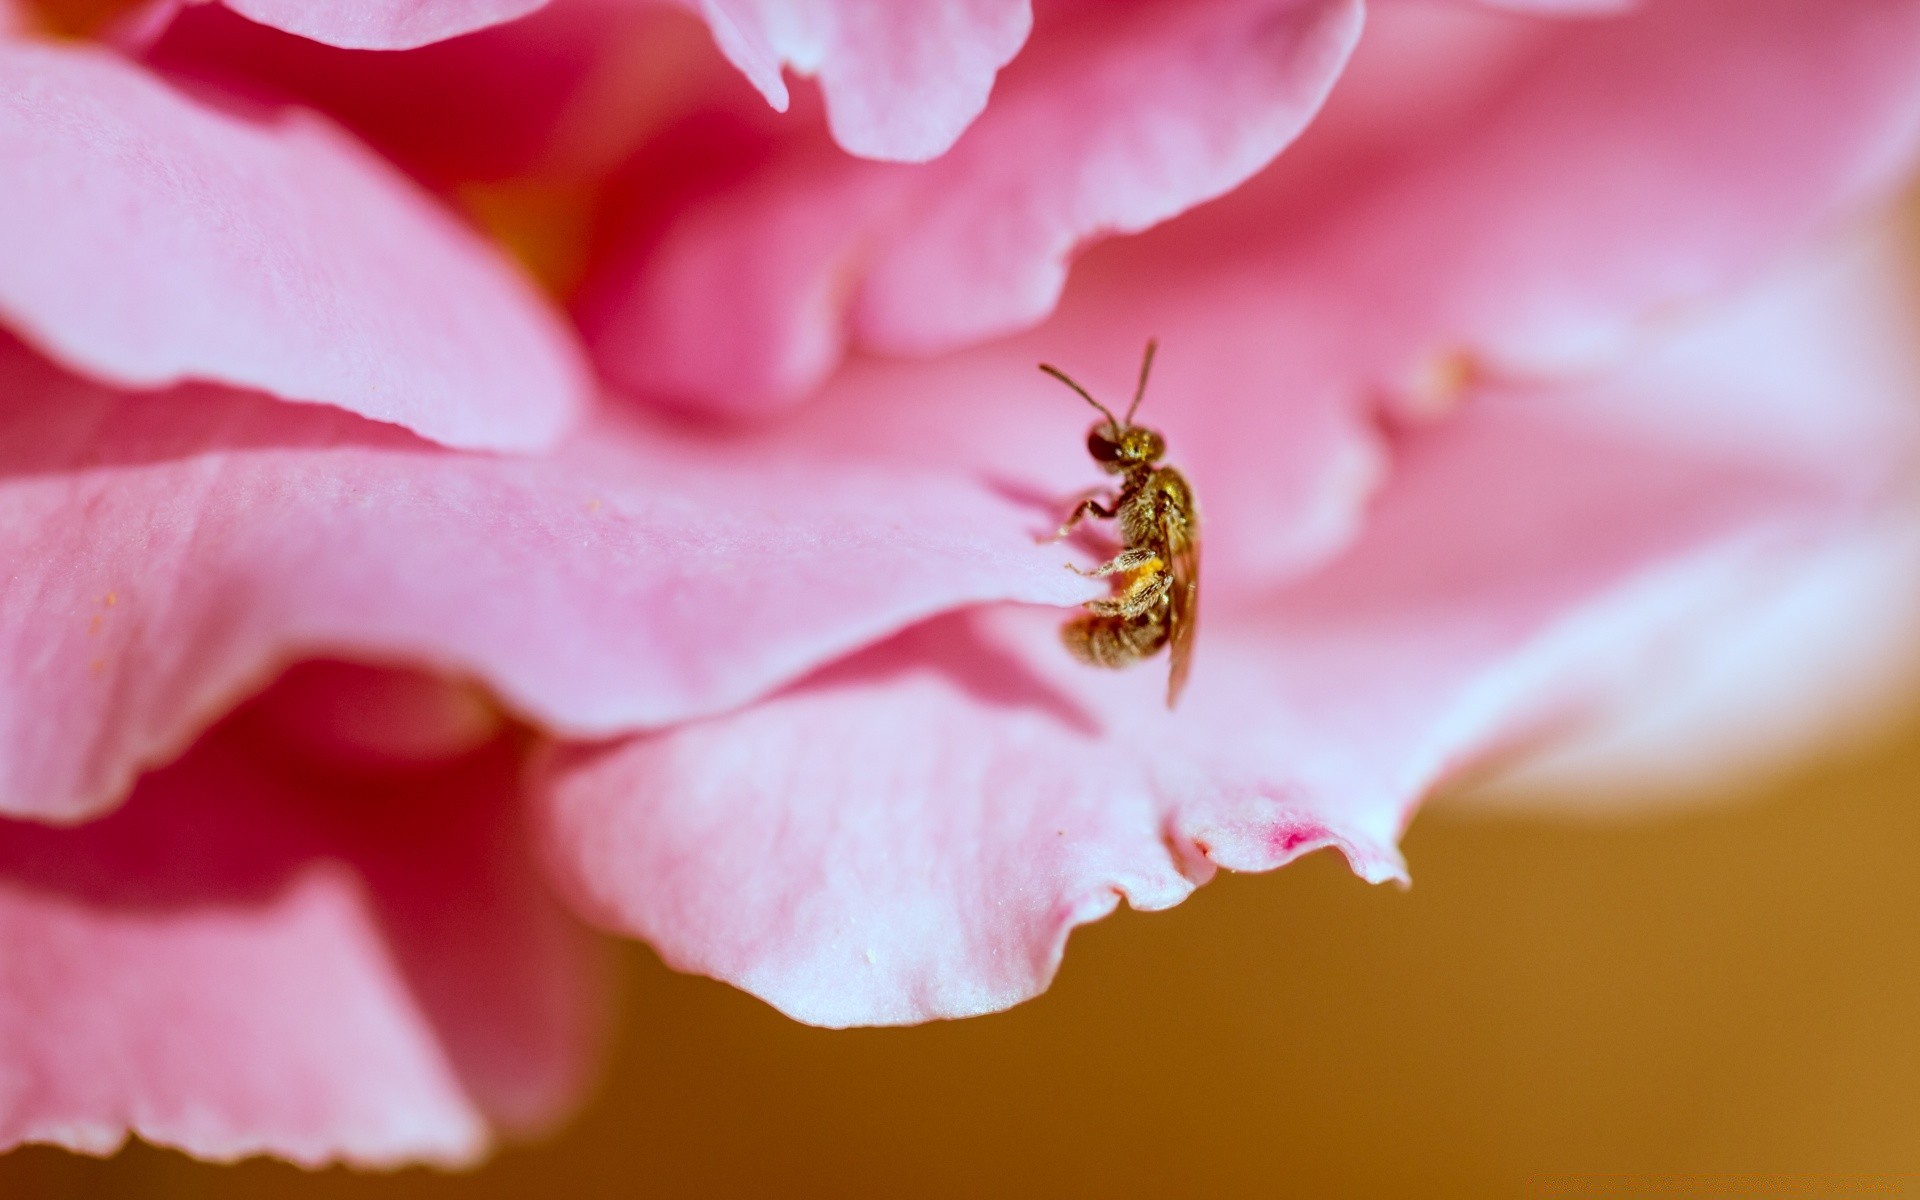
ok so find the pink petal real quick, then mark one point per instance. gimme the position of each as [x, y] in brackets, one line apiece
[248, 960]
[263, 251]
[1113, 122]
[1535, 222]
[381, 24]
[901, 81]
[1777, 658]
[1560, 8]
[913, 832]
[1582, 203]
[168, 553]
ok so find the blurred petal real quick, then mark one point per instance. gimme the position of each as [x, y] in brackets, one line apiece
[243, 961]
[1112, 122]
[1636, 165]
[169, 553]
[1773, 656]
[381, 24]
[267, 252]
[912, 833]
[1561, 8]
[901, 81]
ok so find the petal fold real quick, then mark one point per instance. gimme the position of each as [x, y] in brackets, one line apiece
[169, 554]
[1111, 123]
[901, 81]
[263, 250]
[249, 959]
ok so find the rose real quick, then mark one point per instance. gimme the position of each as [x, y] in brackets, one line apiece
[1550, 394]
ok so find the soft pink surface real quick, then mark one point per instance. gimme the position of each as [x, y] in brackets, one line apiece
[148, 236]
[171, 551]
[1112, 122]
[252, 957]
[912, 833]
[901, 80]
[381, 24]
[1538, 226]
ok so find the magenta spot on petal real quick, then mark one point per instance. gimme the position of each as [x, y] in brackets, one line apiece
[1285, 839]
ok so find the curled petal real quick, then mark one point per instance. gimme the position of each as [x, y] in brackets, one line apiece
[244, 960]
[913, 833]
[264, 251]
[901, 81]
[169, 553]
[1112, 123]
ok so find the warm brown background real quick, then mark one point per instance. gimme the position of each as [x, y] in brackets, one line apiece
[1729, 989]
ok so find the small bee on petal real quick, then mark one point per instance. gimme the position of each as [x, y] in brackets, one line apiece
[1157, 586]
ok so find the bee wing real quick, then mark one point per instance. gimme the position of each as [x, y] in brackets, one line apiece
[1180, 529]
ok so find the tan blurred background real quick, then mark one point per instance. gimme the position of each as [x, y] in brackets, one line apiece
[1732, 989]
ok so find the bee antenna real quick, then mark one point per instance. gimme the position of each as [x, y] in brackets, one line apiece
[1057, 373]
[1146, 365]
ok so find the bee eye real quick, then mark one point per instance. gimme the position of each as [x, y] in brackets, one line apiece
[1103, 448]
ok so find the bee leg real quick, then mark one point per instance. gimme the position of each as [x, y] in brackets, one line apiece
[1089, 505]
[1138, 599]
[1126, 560]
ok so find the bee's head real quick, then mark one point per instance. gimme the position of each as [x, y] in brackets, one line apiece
[1117, 444]
[1117, 450]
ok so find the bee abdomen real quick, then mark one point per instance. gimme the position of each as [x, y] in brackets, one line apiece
[1114, 641]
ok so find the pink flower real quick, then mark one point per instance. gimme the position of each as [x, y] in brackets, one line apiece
[1548, 403]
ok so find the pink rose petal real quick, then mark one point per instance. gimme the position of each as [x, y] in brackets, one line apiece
[1778, 659]
[262, 251]
[1112, 122]
[1536, 226]
[170, 552]
[244, 960]
[382, 24]
[901, 81]
[913, 832]
[1560, 8]
[1547, 232]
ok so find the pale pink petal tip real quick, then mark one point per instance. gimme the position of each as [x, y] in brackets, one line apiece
[382, 24]
[901, 81]
[266, 251]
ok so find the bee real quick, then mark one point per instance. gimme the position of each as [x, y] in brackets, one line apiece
[1155, 599]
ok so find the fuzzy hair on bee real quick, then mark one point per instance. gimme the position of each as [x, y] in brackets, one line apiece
[1156, 574]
